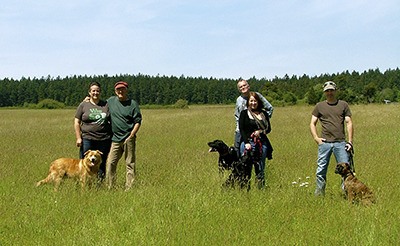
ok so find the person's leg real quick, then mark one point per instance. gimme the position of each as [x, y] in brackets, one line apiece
[241, 149]
[247, 167]
[260, 173]
[130, 159]
[341, 155]
[81, 153]
[86, 145]
[324, 154]
[340, 152]
[115, 154]
[237, 143]
[104, 147]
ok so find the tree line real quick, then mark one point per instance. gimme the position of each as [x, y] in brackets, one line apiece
[372, 86]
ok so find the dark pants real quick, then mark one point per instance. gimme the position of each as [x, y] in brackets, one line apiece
[238, 141]
[103, 146]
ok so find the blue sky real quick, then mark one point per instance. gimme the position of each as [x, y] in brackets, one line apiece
[208, 38]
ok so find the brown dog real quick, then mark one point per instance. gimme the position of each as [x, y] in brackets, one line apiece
[83, 169]
[355, 190]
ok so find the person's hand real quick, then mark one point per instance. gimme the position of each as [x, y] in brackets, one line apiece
[79, 142]
[247, 146]
[349, 146]
[256, 134]
[127, 139]
[319, 140]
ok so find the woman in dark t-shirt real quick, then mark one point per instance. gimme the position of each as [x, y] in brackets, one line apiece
[92, 126]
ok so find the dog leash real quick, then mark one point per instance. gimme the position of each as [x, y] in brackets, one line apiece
[350, 153]
[257, 143]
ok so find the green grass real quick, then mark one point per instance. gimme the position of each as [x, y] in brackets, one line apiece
[177, 198]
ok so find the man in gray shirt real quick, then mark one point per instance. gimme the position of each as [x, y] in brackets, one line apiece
[244, 89]
[333, 114]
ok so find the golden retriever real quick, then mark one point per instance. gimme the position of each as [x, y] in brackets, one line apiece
[85, 169]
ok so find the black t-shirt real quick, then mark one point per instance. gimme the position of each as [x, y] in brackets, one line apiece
[247, 125]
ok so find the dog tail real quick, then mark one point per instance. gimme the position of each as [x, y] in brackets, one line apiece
[368, 199]
[44, 181]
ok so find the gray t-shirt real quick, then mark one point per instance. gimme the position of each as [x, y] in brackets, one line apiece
[95, 123]
[332, 117]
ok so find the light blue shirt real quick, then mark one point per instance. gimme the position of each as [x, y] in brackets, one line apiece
[241, 105]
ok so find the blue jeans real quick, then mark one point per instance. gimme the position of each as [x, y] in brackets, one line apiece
[325, 151]
[104, 146]
[259, 167]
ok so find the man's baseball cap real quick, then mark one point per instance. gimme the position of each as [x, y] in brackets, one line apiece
[329, 85]
[121, 84]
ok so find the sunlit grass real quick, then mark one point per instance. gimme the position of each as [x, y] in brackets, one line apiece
[177, 198]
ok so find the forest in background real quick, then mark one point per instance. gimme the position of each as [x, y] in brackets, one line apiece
[372, 86]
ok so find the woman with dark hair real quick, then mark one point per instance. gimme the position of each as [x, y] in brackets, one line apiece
[92, 126]
[254, 125]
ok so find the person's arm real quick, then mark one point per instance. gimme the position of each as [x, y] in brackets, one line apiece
[269, 128]
[77, 127]
[313, 129]
[133, 132]
[237, 113]
[243, 125]
[267, 105]
[238, 109]
[137, 120]
[350, 130]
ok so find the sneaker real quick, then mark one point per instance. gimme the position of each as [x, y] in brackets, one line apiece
[319, 193]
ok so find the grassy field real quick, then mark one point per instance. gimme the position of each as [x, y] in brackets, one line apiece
[177, 198]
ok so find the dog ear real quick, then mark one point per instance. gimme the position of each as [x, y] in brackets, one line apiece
[87, 152]
[98, 151]
[344, 165]
[339, 168]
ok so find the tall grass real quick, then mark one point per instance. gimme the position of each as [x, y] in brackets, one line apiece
[177, 198]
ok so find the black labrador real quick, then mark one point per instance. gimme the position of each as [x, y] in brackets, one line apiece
[229, 161]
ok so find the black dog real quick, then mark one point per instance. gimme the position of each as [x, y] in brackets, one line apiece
[228, 160]
[227, 155]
